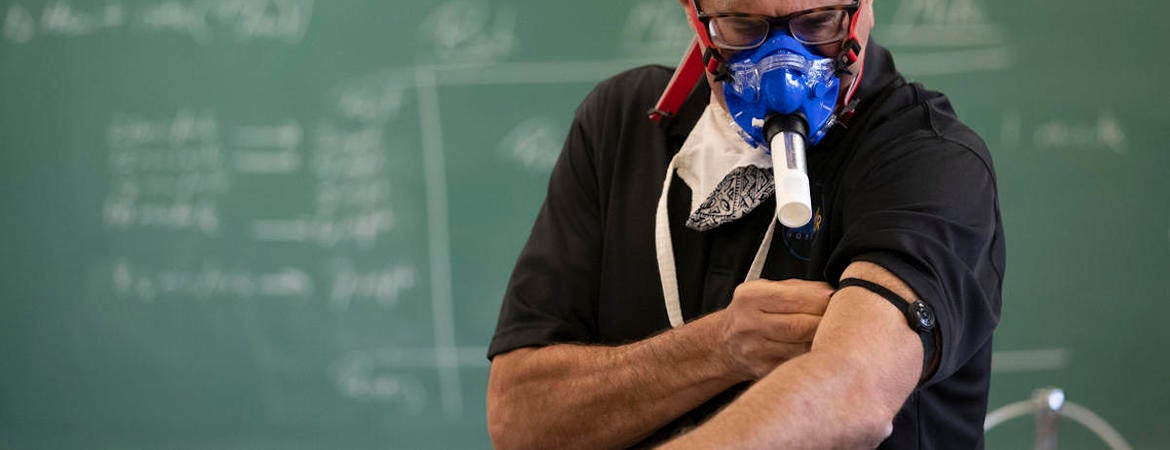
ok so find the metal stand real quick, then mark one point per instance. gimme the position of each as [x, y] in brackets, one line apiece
[1049, 405]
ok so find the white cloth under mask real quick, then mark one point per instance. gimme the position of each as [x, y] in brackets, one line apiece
[728, 179]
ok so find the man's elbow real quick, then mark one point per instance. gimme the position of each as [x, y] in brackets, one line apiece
[504, 423]
[497, 415]
[503, 435]
[876, 429]
[876, 433]
[500, 411]
[873, 397]
[509, 423]
[883, 396]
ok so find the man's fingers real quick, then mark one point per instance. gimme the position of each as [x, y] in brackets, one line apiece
[786, 297]
[790, 328]
[770, 354]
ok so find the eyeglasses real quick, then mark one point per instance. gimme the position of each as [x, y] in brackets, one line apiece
[817, 26]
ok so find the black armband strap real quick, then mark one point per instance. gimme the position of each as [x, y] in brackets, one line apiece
[919, 316]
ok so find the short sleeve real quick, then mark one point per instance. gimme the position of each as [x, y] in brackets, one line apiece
[552, 294]
[926, 209]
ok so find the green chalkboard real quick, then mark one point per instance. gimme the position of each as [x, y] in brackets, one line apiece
[287, 224]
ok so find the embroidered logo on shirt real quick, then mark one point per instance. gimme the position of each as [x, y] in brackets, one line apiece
[799, 240]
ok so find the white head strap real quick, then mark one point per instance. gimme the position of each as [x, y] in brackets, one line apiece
[665, 251]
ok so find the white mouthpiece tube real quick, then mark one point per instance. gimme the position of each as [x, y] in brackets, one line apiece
[793, 199]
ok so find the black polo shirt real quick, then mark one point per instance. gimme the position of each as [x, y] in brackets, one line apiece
[905, 185]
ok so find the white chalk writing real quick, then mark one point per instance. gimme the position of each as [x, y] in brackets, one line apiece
[267, 149]
[166, 174]
[375, 98]
[360, 376]
[201, 21]
[655, 28]
[361, 229]
[352, 197]
[939, 37]
[534, 144]
[1105, 133]
[382, 287]
[469, 31]
[149, 285]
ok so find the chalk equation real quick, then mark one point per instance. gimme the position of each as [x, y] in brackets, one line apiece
[534, 144]
[943, 23]
[150, 284]
[361, 230]
[361, 378]
[201, 21]
[267, 149]
[374, 98]
[1106, 133]
[383, 287]
[380, 375]
[942, 37]
[470, 31]
[173, 173]
[352, 200]
[166, 174]
[343, 285]
[655, 29]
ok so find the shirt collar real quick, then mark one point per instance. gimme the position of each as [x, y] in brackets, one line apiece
[879, 73]
[688, 114]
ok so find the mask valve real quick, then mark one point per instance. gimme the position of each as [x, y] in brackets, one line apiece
[782, 97]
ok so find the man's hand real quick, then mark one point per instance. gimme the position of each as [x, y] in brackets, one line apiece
[577, 396]
[769, 322]
[844, 393]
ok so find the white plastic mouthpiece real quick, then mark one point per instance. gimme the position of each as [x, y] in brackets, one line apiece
[793, 198]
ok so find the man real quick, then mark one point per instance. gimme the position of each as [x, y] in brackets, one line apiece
[592, 352]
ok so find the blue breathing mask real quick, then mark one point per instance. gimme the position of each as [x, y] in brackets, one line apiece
[781, 76]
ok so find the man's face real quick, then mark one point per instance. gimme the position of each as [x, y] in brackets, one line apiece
[765, 7]
[779, 8]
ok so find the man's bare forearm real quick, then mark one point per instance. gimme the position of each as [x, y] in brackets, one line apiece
[812, 401]
[573, 396]
[844, 393]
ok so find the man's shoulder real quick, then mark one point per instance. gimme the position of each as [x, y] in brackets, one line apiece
[947, 126]
[912, 119]
[648, 76]
[627, 94]
[615, 129]
[901, 114]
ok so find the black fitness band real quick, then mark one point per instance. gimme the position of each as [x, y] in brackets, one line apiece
[919, 316]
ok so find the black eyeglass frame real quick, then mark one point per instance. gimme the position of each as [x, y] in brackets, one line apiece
[783, 21]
